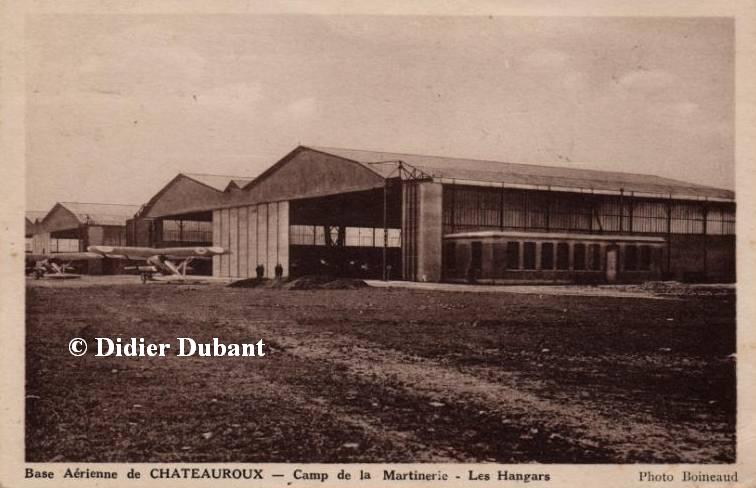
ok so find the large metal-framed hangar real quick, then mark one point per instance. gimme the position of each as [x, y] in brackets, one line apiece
[425, 218]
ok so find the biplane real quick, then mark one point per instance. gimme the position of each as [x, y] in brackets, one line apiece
[56, 265]
[160, 264]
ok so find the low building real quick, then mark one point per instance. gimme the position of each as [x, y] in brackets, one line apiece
[31, 221]
[72, 226]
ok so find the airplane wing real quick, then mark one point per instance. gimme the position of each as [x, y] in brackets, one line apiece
[65, 256]
[148, 252]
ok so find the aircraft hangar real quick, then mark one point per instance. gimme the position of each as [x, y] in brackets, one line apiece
[72, 226]
[31, 221]
[181, 213]
[425, 218]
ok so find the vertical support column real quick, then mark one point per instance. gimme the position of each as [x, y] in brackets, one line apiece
[409, 234]
[243, 244]
[705, 240]
[225, 242]
[520, 256]
[429, 235]
[233, 238]
[669, 235]
[384, 248]
[216, 242]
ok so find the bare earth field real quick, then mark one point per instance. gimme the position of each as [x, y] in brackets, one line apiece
[382, 375]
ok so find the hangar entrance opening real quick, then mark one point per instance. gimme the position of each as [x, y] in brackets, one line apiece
[343, 235]
[184, 230]
[67, 240]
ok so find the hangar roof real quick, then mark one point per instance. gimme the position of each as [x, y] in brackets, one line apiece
[219, 182]
[32, 218]
[189, 193]
[471, 171]
[95, 213]
[34, 215]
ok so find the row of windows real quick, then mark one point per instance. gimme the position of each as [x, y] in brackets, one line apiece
[516, 255]
[320, 235]
[64, 245]
[468, 209]
[187, 231]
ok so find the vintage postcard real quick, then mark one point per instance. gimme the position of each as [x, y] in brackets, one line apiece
[368, 244]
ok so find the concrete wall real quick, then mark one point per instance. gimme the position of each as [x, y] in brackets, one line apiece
[429, 235]
[253, 235]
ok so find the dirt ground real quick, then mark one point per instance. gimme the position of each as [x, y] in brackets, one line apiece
[382, 375]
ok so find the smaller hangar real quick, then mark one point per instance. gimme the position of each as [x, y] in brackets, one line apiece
[72, 226]
[180, 214]
[31, 221]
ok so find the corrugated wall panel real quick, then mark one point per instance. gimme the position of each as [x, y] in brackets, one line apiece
[216, 242]
[262, 237]
[272, 240]
[233, 234]
[252, 240]
[283, 236]
[243, 246]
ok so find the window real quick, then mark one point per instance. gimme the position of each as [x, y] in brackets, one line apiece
[513, 255]
[631, 258]
[528, 255]
[563, 256]
[578, 254]
[595, 253]
[450, 255]
[302, 235]
[363, 237]
[645, 258]
[315, 235]
[547, 255]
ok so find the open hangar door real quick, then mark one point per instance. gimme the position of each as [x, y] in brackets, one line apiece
[343, 235]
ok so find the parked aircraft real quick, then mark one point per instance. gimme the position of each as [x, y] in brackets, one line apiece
[56, 265]
[162, 264]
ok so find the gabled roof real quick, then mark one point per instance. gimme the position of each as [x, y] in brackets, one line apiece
[98, 213]
[34, 215]
[32, 219]
[219, 182]
[218, 186]
[527, 175]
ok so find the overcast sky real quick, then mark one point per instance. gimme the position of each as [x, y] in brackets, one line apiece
[117, 105]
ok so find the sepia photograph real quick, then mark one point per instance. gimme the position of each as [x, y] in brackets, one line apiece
[353, 239]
